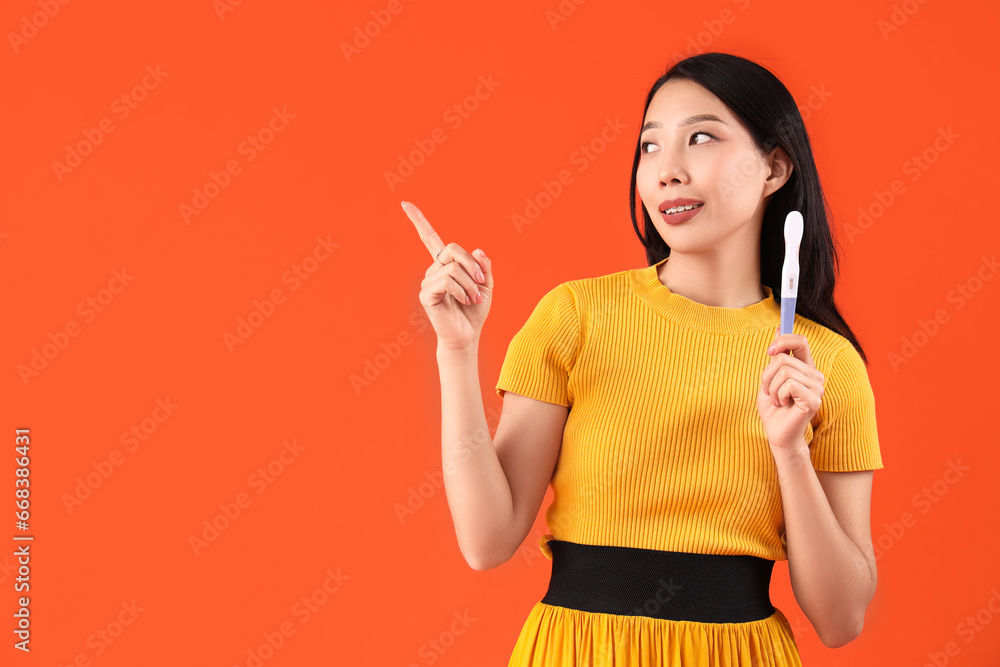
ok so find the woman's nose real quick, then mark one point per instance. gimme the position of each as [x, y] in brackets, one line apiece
[672, 170]
[671, 167]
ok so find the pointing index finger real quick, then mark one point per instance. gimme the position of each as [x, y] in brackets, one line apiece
[427, 233]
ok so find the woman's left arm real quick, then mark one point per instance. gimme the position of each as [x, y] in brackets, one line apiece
[831, 560]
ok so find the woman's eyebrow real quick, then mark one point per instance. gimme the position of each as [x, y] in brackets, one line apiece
[700, 118]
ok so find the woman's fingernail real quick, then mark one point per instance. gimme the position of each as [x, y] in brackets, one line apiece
[770, 350]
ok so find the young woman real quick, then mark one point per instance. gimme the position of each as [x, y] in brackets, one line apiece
[689, 445]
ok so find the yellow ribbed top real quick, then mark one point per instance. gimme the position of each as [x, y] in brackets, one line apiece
[663, 446]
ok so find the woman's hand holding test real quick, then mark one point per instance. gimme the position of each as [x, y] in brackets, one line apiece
[790, 392]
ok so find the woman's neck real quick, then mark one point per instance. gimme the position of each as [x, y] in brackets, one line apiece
[712, 284]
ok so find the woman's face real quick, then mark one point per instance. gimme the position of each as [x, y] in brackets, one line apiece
[686, 155]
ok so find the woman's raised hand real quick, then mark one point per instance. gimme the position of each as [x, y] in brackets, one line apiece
[457, 288]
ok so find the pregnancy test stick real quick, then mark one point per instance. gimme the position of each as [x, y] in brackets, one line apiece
[790, 270]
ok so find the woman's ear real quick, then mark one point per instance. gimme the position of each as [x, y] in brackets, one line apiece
[781, 170]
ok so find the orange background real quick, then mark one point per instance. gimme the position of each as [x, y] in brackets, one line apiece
[364, 450]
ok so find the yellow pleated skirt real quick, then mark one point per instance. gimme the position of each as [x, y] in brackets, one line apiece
[558, 636]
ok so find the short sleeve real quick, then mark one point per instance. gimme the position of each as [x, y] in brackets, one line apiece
[846, 437]
[541, 355]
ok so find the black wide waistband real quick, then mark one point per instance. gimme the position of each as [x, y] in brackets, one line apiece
[671, 585]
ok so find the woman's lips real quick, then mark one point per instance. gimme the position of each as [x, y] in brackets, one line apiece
[684, 216]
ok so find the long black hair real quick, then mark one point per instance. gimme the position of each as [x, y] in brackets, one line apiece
[769, 112]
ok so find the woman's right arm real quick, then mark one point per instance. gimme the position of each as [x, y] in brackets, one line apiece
[494, 485]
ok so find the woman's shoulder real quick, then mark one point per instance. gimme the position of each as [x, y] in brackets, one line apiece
[824, 343]
[601, 285]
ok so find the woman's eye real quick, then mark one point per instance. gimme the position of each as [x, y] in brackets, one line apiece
[644, 144]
